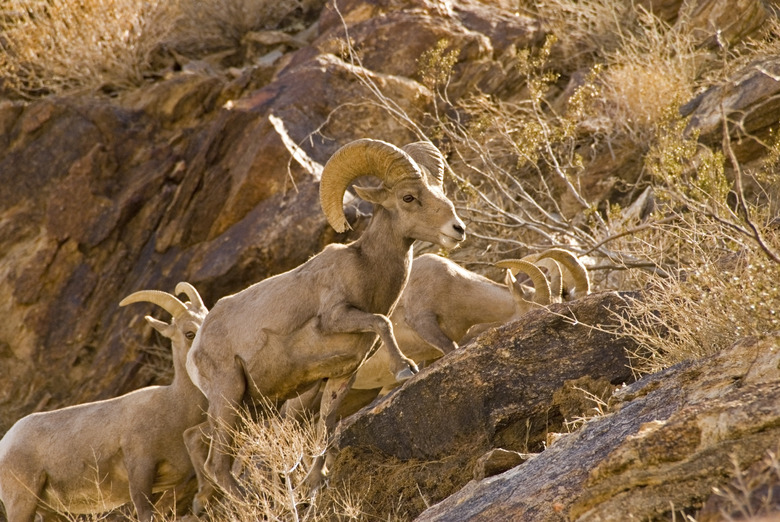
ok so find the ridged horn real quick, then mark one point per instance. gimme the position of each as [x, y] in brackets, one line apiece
[190, 291]
[554, 276]
[427, 155]
[541, 286]
[575, 267]
[364, 157]
[162, 299]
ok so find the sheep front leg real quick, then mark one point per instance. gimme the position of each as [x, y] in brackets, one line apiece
[348, 319]
[223, 419]
[333, 394]
[427, 327]
[196, 440]
[21, 497]
[224, 393]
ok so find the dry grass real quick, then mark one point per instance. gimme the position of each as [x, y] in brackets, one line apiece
[215, 26]
[272, 457]
[62, 46]
[54, 46]
[753, 493]
[719, 250]
[718, 296]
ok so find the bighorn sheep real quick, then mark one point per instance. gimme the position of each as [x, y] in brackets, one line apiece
[572, 283]
[97, 456]
[444, 304]
[279, 337]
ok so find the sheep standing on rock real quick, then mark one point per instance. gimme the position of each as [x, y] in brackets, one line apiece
[97, 456]
[283, 335]
[445, 305]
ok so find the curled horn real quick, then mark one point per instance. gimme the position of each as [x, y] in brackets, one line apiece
[193, 295]
[364, 157]
[428, 156]
[575, 267]
[554, 275]
[542, 295]
[164, 300]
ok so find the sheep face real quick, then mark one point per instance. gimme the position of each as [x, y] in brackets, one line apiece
[181, 331]
[420, 210]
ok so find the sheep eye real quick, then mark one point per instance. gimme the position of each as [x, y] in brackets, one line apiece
[408, 198]
[190, 335]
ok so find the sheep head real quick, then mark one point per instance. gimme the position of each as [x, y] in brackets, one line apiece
[576, 276]
[542, 294]
[411, 188]
[186, 317]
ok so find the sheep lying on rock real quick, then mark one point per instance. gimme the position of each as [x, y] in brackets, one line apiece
[97, 456]
[283, 335]
[441, 302]
[444, 305]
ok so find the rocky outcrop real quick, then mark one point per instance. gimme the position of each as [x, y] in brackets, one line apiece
[712, 22]
[188, 179]
[668, 440]
[750, 104]
[508, 389]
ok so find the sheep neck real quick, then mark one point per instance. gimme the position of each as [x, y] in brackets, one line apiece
[387, 253]
[181, 381]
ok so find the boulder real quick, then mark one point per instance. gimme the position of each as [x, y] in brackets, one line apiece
[497, 461]
[750, 103]
[667, 442]
[507, 389]
[712, 22]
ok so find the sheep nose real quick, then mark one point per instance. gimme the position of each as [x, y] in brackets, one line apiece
[459, 228]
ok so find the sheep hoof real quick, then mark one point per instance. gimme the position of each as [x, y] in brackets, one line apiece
[198, 507]
[202, 497]
[404, 374]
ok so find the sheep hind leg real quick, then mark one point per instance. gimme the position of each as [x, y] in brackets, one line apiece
[305, 403]
[332, 395]
[140, 474]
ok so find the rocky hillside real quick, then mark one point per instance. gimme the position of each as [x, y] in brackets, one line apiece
[208, 173]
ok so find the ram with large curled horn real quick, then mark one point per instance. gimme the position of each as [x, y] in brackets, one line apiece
[96, 456]
[285, 334]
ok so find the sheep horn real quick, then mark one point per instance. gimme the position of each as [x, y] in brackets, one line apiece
[190, 291]
[575, 267]
[164, 300]
[362, 157]
[554, 275]
[428, 156]
[541, 286]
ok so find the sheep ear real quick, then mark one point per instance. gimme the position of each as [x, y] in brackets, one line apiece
[515, 288]
[376, 195]
[164, 328]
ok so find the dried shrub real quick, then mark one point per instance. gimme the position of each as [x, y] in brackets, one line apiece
[55, 46]
[272, 455]
[212, 26]
[753, 493]
[58, 46]
[720, 251]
